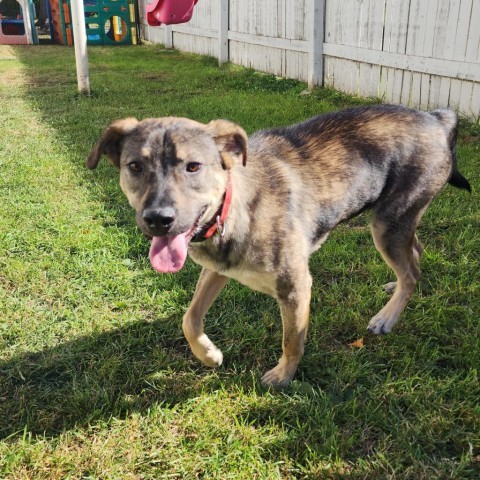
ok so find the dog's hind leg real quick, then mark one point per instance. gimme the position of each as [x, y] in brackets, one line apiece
[401, 250]
[209, 286]
[293, 295]
[417, 252]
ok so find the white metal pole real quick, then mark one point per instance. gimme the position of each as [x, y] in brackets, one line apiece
[80, 41]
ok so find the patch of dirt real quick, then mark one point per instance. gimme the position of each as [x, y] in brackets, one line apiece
[470, 138]
[50, 80]
[6, 53]
[154, 76]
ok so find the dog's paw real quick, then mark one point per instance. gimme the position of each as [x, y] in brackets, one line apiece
[273, 378]
[280, 376]
[213, 358]
[206, 351]
[380, 325]
[390, 287]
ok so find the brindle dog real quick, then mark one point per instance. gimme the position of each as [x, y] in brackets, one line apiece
[259, 221]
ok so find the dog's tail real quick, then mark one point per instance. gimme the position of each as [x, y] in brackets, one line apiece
[450, 122]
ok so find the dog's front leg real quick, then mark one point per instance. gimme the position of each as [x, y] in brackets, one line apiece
[209, 285]
[293, 296]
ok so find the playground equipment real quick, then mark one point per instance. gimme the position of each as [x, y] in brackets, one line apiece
[110, 22]
[107, 22]
[60, 22]
[17, 23]
[169, 11]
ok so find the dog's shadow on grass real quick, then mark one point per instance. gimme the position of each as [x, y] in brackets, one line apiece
[127, 370]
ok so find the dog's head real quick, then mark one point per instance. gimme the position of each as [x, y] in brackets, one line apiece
[174, 174]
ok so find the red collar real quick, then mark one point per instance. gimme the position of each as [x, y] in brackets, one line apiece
[218, 223]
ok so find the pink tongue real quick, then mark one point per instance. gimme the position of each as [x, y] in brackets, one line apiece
[168, 254]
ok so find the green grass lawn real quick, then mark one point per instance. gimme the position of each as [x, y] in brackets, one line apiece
[96, 379]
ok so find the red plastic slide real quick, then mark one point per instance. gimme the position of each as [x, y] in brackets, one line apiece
[169, 11]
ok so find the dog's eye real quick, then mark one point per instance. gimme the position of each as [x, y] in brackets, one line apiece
[135, 167]
[193, 167]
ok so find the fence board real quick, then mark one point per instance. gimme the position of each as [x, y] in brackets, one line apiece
[431, 24]
[416, 89]
[462, 30]
[472, 107]
[452, 30]
[441, 32]
[396, 26]
[467, 98]
[473, 41]
[424, 92]
[461, 70]
[397, 85]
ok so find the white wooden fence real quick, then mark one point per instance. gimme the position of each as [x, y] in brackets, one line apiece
[422, 53]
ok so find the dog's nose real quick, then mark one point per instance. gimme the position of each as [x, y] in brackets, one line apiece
[159, 217]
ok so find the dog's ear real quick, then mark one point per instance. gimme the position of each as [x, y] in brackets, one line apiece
[110, 143]
[231, 141]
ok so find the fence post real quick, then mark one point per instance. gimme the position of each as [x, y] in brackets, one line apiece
[223, 32]
[315, 19]
[168, 36]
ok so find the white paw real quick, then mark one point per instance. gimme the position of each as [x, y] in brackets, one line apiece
[206, 351]
[213, 358]
[381, 325]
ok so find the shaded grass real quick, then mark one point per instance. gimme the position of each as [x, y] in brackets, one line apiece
[96, 380]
